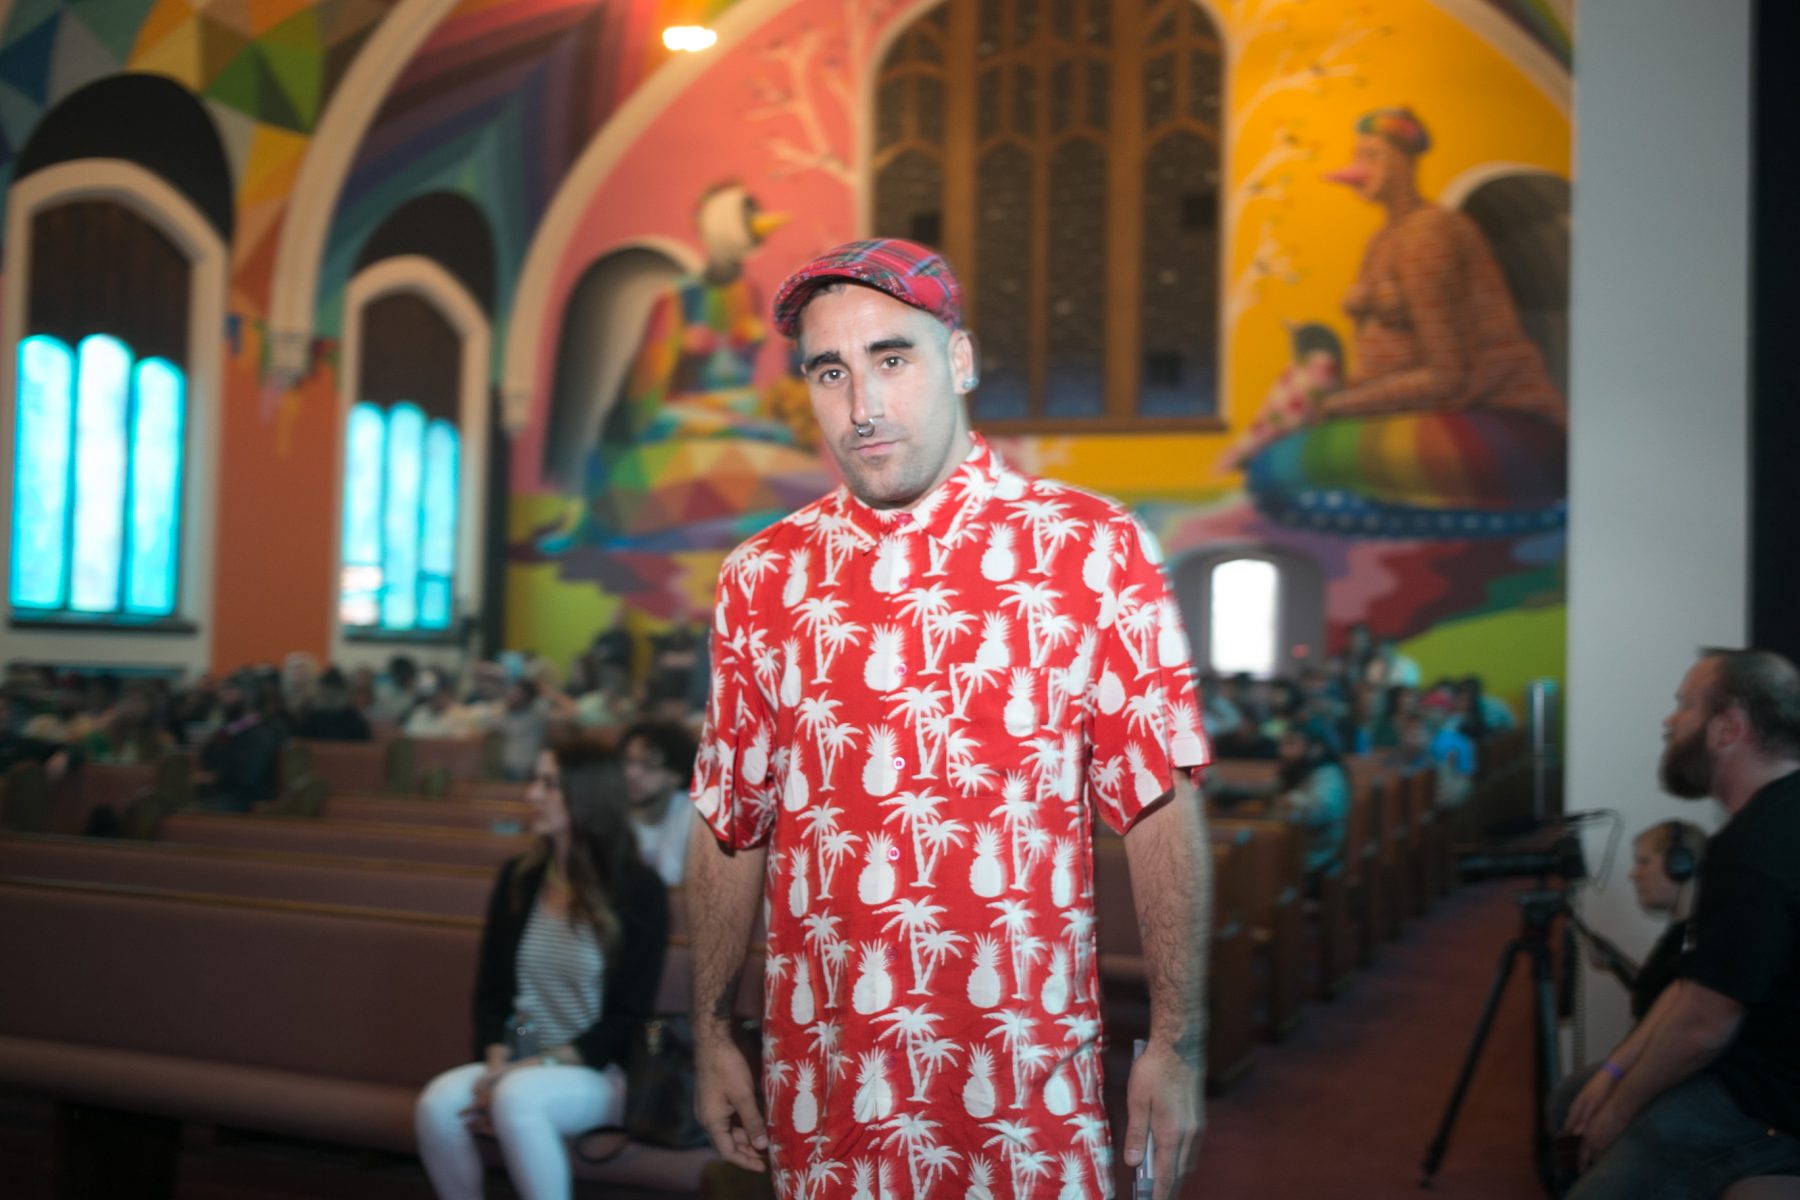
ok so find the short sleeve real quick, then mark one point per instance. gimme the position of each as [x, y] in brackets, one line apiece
[1742, 932]
[1146, 713]
[734, 785]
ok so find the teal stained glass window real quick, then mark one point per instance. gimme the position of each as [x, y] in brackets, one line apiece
[401, 493]
[99, 442]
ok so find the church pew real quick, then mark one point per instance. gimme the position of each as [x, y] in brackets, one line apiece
[499, 816]
[312, 1021]
[1362, 869]
[456, 758]
[452, 891]
[304, 835]
[1282, 850]
[1273, 864]
[350, 766]
[1230, 988]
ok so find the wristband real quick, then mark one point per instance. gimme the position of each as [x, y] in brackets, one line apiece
[1613, 1070]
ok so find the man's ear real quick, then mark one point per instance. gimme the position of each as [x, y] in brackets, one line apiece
[1726, 727]
[964, 361]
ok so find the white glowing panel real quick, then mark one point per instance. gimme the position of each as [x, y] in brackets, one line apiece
[1246, 617]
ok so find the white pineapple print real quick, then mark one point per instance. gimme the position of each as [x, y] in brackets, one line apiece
[880, 775]
[1111, 693]
[1062, 873]
[884, 668]
[1096, 568]
[981, 1179]
[995, 651]
[795, 791]
[708, 801]
[874, 990]
[874, 1095]
[876, 883]
[800, 1005]
[1059, 1093]
[756, 757]
[978, 1095]
[1021, 712]
[1010, 486]
[984, 977]
[806, 1099]
[998, 562]
[799, 891]
[1056, 985]
[1171, 642]
[795, 590]
[889, 573]
[862, 1179]
[790, 674]
[986, 878]
[1186, 746]
[1148, 789]
[1074, 1177]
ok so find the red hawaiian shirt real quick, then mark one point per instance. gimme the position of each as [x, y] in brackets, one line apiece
[920, 712]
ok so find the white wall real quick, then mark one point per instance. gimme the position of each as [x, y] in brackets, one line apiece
[1658, 553]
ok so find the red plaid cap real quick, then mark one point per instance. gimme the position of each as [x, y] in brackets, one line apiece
[910, 273]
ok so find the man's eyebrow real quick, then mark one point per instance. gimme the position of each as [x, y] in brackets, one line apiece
[821, 359]
[891, 343]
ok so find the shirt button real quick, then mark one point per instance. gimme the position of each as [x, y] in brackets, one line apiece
[899, 763]
[900, 671]
[893, 854]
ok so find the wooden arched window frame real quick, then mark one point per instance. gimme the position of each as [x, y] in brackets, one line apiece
[1066, 155]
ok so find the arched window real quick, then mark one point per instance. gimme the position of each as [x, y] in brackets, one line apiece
[1245, 623]
[1066, 156]
[400, 519]
[416, 420]
[402, 471]
[97, 481]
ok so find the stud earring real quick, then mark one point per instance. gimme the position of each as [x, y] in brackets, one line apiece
[969, 384]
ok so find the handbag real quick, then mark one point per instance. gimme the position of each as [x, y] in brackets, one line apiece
[659, 1092]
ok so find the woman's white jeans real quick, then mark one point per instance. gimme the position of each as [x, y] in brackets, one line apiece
[534, 1109]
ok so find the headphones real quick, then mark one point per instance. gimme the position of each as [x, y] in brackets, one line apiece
[1680, 860]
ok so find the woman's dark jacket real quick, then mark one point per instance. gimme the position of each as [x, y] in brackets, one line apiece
[633, 970]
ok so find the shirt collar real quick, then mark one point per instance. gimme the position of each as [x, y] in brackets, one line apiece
[944, 510]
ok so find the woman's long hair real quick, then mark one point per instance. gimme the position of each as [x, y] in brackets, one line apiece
[600, 839]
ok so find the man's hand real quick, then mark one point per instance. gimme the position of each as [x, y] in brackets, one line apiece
[1601, 1131]
[1162, 1097]
[1587, 1102]
[725, 1102]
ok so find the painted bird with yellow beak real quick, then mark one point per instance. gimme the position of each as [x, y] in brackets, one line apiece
[672, 445]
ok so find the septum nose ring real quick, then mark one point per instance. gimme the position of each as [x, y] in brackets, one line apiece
[865, 429]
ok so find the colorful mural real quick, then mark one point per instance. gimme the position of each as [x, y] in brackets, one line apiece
[1424, 508]
[1437, 522]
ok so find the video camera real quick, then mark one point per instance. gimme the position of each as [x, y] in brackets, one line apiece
[1554, 850]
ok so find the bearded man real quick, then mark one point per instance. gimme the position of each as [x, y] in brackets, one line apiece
[1706, 1090]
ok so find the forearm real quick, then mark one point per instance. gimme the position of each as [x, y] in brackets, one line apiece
[723, 887]
[1626, 1052]
[1689, 1035]
[1171, 885]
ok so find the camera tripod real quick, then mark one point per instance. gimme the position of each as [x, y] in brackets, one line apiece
[1539, 909]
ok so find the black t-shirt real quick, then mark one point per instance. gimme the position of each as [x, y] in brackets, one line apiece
[1661, 969]
[1746, 945]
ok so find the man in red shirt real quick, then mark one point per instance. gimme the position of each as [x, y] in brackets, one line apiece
[926, 686]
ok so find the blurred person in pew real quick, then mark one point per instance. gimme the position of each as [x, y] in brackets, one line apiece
[67, 722]
[1705, 1090]
[17, 747]
[1472, 710]
[1314, 793]
[1221, 714]
[523, 726]
[134, 734]
[396, 692]
[1390, 668]
[658, 758]
[299, 681]
[362, 689]
[1496, 713]
[242, 754]
[194, 713]
[438, 714]
[573, 944]
[1246, 740]
[1449, 759]
[332, 716]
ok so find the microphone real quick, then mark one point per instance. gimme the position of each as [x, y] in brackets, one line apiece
[1519, 826]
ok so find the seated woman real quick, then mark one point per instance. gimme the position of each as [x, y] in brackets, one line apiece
[1315, 793]
[576, 929]
[1664, 861]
